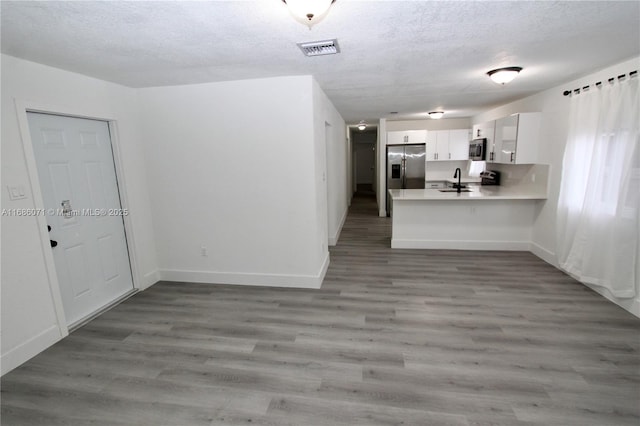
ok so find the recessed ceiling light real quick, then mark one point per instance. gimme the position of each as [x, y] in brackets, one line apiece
[504, 75]
[436, 115]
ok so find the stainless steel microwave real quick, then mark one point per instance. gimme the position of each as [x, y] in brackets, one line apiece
[477, 149]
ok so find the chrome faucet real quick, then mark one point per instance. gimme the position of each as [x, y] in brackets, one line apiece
[458, 174]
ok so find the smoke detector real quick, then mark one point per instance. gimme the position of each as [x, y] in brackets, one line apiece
[319, 48]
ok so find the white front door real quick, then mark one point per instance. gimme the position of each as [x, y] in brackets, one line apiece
[82, 207]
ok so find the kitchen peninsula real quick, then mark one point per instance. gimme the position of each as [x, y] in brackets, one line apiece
[485, 218]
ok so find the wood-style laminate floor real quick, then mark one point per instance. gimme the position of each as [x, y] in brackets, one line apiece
[394, 337]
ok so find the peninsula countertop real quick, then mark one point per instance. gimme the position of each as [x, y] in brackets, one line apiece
[476, 193]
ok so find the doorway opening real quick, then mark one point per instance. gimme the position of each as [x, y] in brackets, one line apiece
[364, 165]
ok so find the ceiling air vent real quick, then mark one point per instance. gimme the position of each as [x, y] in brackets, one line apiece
[319, 48]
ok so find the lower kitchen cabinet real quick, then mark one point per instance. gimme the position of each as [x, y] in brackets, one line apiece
[435, 184]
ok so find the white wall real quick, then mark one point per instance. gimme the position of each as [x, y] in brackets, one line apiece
[350, 171]
[31, 318]
[331, 131]
[554, 130]
[254, 170]
[233, 167]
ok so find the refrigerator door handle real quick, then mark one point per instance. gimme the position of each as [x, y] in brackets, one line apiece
[404, 172]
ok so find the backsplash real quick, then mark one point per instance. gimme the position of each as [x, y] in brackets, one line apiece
[441, 170]
[520, 175]
[523, 175]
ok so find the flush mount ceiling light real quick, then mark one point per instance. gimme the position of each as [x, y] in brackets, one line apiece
[504, 75]
[362, 125]
[436, 115]
[308, 12]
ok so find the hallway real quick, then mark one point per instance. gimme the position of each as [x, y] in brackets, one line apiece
[410, 337]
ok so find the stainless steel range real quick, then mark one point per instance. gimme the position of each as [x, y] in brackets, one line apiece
[490, 177]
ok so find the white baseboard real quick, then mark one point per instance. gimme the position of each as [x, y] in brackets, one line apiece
[460, 245]
[635, 307]
[631, 305]
[236, 278]
[323, 270]
[27, 350]
[149, 279]
[544, 254]
[334, 239]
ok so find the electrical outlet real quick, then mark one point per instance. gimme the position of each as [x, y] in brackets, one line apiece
[204, 251]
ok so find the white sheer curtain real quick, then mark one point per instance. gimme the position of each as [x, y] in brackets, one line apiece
[598, 210]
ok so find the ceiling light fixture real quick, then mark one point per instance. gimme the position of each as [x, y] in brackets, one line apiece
[362, 125]
[504, 75]
[436, 115]
[308, 12]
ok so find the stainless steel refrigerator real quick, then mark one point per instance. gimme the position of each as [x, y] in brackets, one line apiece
[405, 168]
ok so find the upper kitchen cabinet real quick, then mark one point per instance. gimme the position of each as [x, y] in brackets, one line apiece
[437, 145]
[486, 131]
[406, 136]
[516, 139]
[447, 145]
[459, 144]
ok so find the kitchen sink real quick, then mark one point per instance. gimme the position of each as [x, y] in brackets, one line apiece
[454, 190]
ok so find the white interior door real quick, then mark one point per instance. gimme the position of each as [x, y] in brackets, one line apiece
[365, 157]
[82, 206]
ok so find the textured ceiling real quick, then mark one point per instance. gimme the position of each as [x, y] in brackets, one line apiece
[406, 56]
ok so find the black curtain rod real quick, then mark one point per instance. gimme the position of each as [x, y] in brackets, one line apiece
[599, 83]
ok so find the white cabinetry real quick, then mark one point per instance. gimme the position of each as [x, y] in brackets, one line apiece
[459, 144]
[435, 184]
[516, 139]
[487, 131]
[437, 145]
[445, 145]
[406, 136]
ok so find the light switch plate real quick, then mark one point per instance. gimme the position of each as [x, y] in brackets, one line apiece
[17, 192]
